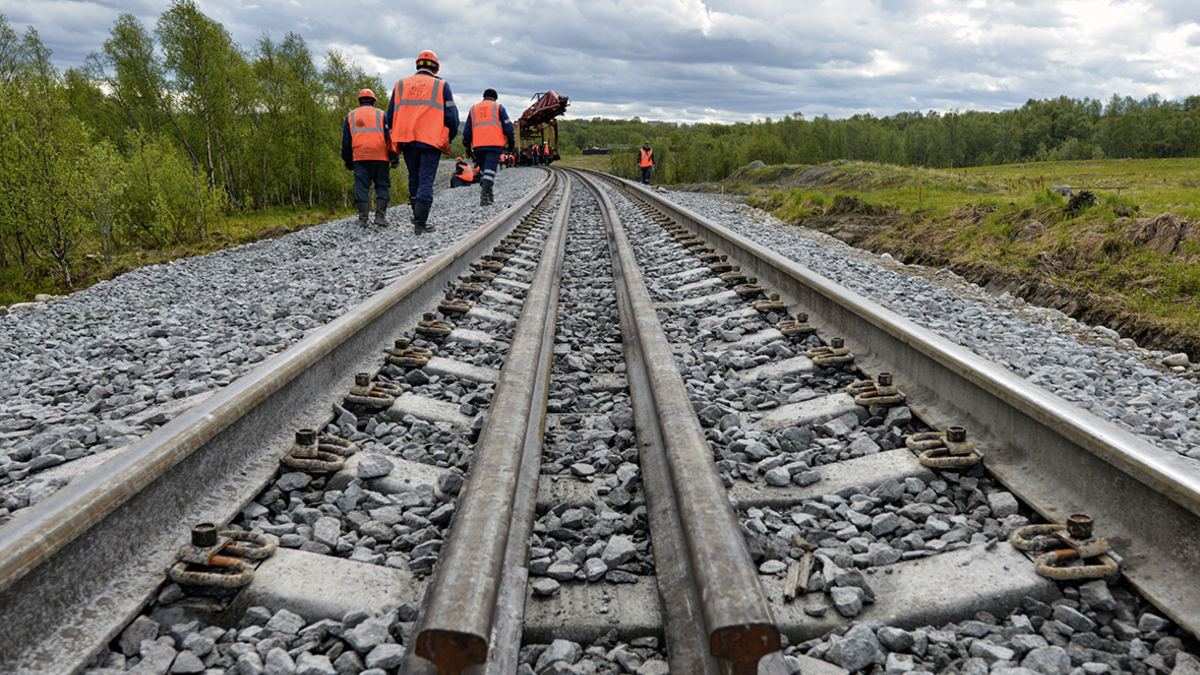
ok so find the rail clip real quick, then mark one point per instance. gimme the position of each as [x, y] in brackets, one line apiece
[880, 392]
[1065, 544]
[214, 559]
[318, 454]
[944, 450]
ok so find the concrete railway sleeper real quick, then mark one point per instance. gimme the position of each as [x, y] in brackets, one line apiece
[661, 465]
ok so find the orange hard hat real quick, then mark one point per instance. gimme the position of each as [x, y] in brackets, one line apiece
[428, 59]
[366, 93]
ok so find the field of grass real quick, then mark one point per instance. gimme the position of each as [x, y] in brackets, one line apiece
[1135, 247]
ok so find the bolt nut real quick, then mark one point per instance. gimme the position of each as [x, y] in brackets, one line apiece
[1079, 526]
[837, 343]
[884, 380]
[306, 437]
[204, 535]
[956, 435]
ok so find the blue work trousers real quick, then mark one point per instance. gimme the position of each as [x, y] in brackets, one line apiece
[422, 166]
[489, 159]
[371, 171]
[646, 174]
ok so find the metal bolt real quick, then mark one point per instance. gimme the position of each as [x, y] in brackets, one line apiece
[802, 316]
[429, 316]
[884, 380]
[774, 297]
[306, 437]
[402, 343]
[204, 535]
[837, 343]
[362, 379]
[1079, 526]
[956, 435]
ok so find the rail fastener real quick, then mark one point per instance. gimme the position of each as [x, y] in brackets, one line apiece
[944, 450]
[877, 392]
[405, 355]
[452, 306]
[798, 327]
[317, 454]
[373, 394]
[213, 558]
[1065, 544]
[432, 327]
[836, 353]
[750, 289]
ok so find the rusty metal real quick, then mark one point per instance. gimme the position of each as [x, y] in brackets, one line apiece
[877, 392]
[405, 355]
[491, 266]
[452, 306]
[749, 289]
[708, 255]
[433, 328]
[496, 256]
[372, 394]
[721, 266]
[733, 277]
[1063, 544]
[496, 507]
[307, 454]
[772, 304]
[214, 559]
[736, 617]
[835, 354]
[944, 450]
[798, 327]
[480, 275]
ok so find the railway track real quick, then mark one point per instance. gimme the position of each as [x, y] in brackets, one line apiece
[659, 471]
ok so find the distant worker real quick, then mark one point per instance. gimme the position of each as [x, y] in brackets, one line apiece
[423, 120]
[367, 152]
[464, 173]
[646, 161]
[535, 154]
[545, 153]
[487, 133]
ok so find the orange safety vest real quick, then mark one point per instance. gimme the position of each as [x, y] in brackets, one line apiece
[468, 173]
[646, 157]
[486, 129]
[368, 138]
[420, 113]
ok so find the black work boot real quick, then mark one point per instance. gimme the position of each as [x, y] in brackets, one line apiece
[421, 218]
[381, 212]
[363, 211]
[485, 194]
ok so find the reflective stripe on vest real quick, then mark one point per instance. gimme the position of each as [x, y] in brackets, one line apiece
[367, 137]
[486, 129]
[420, 112]
[646, 159]
[468, 173]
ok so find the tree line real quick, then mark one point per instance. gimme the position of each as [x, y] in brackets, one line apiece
[161, 134]
[1041, 130]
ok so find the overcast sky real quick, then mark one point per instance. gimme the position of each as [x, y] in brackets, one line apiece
[720, 60]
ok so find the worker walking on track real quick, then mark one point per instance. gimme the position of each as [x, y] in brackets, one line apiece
[423, 120]
[487, 133]
[646, 161]
[366, 150]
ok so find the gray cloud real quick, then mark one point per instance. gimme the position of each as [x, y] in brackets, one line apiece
[726, 60]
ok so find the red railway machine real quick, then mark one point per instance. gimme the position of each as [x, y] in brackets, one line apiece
[534, 123]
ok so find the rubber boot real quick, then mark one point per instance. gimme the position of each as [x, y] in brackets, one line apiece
[381, 212]
[421, 218]
[485, 194]
[363, 211]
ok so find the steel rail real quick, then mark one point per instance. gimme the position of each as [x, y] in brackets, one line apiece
[82, 563]
[1054, 455]
[736, 616]
[496, 508]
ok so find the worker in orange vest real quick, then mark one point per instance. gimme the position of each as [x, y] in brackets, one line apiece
[535, 154]
[423, 120]
[464, 173]
[487, 132]
[367, 152]
[646, 161]
[545, 153]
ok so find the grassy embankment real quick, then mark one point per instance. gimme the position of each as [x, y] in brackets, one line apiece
[1130, 261]
[21, 284]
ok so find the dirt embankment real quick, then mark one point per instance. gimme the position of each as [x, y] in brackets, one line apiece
[916, 241]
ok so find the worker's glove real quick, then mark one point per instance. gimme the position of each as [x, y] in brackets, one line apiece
[349, 166]
[395, 163]
[469, 153]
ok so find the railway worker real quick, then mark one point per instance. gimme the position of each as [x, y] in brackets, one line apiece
[487, 132]
[423, 120]
[646, 161]
[367, 152]
[546, 153]
[464, 173]
[535, 154]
